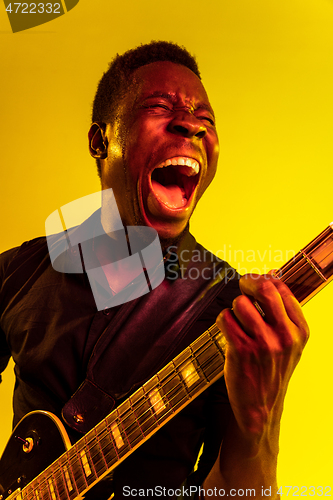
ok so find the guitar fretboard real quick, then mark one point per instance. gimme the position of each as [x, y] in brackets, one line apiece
[168, 392]
[311, 269]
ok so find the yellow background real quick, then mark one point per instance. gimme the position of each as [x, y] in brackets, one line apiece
[267, 66]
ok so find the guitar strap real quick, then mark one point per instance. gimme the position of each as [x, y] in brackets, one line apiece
[135, 345]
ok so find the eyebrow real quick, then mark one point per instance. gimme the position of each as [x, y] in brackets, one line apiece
[173, 98]
[158, 93]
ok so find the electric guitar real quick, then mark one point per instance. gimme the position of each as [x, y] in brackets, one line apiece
[39, 462]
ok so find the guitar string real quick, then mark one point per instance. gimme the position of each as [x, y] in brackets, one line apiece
[322, 239]
[290, 279]
[300, 264]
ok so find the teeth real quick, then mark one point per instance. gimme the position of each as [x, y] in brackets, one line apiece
[182, 160]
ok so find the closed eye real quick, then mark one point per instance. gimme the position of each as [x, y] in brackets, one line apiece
[207, 119]
[163, 106]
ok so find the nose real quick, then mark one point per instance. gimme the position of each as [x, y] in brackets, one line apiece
[186, 124]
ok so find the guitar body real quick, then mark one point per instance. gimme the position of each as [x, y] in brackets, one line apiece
[46, 439]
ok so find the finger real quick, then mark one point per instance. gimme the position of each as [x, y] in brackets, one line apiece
[291, 304]
[248, 315]
[277, 301]
[235, 336]
[295, 314]
[262, 289]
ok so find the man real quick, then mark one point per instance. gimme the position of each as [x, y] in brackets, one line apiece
[155, 142]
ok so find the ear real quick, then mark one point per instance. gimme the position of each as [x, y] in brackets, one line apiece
[98, 143]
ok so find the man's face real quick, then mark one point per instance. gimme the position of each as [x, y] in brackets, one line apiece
[162, 149]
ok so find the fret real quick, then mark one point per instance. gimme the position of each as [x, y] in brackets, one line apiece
[132, 406]
[213, 363]
[313, 265]
[323, 257]
[148, 407]
[86, 466]
[157, 399]
[205, 353]
[32, 490]
[173, 386]
[107, 444]
[210, 356]
[51, 489]
[218, 338]
[77, 472]
[85, 463]
[187, 367]
[130, 424]
[124, 431]
[39, 485]
[43, 487]
[190, 374]
[57, 487]
[177, 363]
[59, 483]
[144, 415]
[67, 477]
[166, 397]
[201, 342]
[27, 494]
[311, 269]
[301, 279]
[95, 453]
[117, 435]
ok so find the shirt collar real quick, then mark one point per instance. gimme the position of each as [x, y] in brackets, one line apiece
[178, 256]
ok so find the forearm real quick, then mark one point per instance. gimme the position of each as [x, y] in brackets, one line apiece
[246, 466]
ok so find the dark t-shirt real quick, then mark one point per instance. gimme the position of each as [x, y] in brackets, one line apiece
[49, 324]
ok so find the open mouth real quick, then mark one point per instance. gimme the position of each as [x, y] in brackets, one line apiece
[174, 181]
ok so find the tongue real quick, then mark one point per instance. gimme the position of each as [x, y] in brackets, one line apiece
[172, 195]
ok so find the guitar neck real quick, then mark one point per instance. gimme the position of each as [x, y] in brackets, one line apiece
[167, 393]
[311, 269]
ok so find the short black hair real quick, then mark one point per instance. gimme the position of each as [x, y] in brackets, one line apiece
[116, 80]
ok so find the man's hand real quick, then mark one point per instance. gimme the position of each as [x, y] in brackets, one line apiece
[261, 355]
